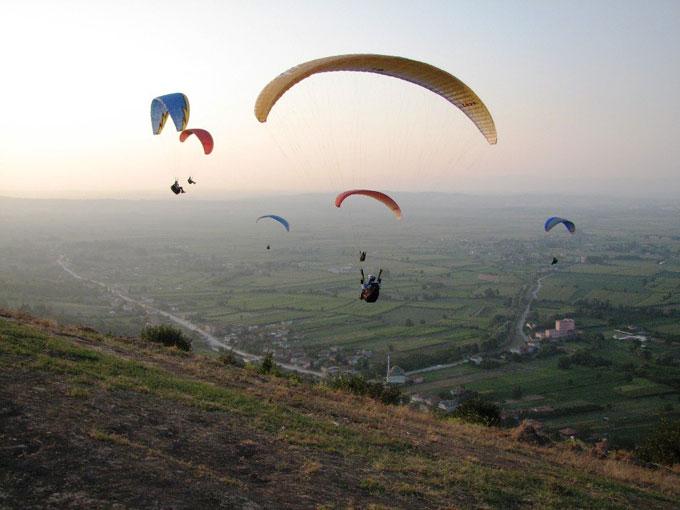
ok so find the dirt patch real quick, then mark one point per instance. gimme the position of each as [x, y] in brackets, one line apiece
[133, 450]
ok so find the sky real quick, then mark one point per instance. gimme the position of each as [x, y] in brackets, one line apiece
[584, 96]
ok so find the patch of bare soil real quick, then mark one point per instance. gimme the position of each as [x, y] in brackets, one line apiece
[121, 449]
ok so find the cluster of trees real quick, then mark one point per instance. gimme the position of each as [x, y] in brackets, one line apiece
[477, 410]
[620, 314]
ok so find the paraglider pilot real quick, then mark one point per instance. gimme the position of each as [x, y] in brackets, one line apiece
[370, 287]
[362, 256]
[191, 181]
[554, 261]
[177, 189]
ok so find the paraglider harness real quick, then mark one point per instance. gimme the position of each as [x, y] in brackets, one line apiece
[177, 189]
[370, 288]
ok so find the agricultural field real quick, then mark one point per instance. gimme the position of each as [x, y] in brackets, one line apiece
[457, 275]
[610, 401]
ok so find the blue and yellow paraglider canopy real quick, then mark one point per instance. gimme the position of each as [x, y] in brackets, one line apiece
[176, 105]
[274, 217]
[555, 220]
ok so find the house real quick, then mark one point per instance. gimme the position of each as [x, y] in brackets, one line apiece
[396, 375]
[448, 406]
[530, 348]
[432, 400]
[330, 371]
[542, 410]
[568, 433]
[564, 328]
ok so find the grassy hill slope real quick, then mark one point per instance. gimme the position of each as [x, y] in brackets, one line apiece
[88, 420]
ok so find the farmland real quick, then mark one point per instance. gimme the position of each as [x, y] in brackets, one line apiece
[457, 272]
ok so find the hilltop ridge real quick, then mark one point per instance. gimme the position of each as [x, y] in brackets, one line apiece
[96, 421]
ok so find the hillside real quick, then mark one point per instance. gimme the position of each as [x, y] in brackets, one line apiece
[94, 421]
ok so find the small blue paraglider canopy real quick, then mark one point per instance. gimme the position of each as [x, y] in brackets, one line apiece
[555, 220]
[175, 105]
[281, 220]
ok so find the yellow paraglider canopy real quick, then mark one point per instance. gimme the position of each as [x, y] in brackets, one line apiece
[437, 80]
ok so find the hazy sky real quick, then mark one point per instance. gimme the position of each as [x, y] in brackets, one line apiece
[584, 95]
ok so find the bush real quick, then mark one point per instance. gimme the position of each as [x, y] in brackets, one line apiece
[358, 385]
[228, 358]
[477, 410]
[663, 445]
[489, 364]
[268, 366]
[564, 362]
[167, 335]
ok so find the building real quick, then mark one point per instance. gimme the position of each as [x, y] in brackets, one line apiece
[448, 406]
[565, 325]
[568, 433]
[564, 328]
[395, 374]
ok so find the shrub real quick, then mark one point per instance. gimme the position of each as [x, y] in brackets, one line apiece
[489, 364]
[517, 392]
[166, 335]
[663, 445]
[268, 366]
[477, 410]
[358, 385]
[228, 358]
[564, 362]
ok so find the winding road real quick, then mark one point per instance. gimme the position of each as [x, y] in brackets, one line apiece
[521, 337]
[212, 341]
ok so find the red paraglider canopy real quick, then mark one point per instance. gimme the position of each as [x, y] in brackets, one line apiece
[205, 138]
[381, 197]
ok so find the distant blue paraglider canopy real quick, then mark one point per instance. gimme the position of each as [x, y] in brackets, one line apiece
[175, 105]
[555, 220]
[281, 220]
